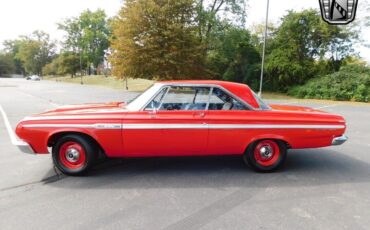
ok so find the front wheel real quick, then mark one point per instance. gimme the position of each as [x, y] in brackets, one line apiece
[265, 155]
[73, 154]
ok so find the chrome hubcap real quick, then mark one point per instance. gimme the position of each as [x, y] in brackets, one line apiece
[266, 152]
[72, 155]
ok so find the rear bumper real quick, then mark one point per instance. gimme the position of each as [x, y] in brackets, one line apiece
[339, 140]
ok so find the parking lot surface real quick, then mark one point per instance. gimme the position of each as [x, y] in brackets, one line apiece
[327, 188]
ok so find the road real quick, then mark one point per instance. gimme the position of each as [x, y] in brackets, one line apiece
[326, 188]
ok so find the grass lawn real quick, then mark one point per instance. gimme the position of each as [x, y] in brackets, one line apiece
[111, 82]
[273, 95]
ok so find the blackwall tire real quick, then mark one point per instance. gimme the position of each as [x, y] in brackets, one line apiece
[74, 154]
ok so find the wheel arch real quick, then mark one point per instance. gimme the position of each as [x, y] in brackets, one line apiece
[56, 135]
[268, 137]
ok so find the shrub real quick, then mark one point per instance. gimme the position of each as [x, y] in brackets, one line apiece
[351, 83]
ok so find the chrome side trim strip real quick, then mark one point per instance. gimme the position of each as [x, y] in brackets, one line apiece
[108, 126]
[165, 126]
[273, 126]
[58, 126]
[86, 126]
[227, 126]
[182, 126]
[71, 117]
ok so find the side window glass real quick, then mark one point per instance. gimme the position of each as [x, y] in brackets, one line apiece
[261, 103]
[220, 100]
[155, 103]
[201, 98]
[185, 98]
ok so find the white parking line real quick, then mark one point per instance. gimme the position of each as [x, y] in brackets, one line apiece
[326, 106]
[44, 99]
[12, 135]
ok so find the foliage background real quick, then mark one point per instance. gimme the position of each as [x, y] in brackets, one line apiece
[200, 39]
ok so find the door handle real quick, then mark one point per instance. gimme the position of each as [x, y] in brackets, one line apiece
[152, 113]
[201, 114]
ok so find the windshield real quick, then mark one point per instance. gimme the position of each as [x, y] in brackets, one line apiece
[139, 101]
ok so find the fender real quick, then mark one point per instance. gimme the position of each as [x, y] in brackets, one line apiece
[69, 130]
[268, 136]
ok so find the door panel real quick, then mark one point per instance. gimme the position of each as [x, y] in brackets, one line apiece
[224, 138]
[224, 115]
[165, 133]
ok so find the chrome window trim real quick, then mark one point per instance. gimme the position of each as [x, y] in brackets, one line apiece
[209, 98]
[136, 104]
[249, 107]
[256, 97]
[154, 96]
[161, 101]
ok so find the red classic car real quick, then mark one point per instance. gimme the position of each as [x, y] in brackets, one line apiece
[179, 118]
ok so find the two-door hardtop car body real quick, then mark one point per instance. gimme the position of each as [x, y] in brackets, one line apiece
[179, 118]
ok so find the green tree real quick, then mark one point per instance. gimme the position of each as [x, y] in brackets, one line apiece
[96, 35]
[234, 58]
[73, 38]
[65, 63]
[51, 68]
[6, 64]
[302, 40]
[35, 51]
[87, 36]
[11, 47]
[156, 39]
[68, 63]
[212, 16]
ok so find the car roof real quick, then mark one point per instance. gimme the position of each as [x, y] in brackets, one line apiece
[240, 90]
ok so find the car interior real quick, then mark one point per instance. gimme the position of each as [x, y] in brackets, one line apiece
[194, 98]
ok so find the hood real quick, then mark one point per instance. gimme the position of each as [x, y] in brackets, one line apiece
[88, 106]
[294, 108]
[86, 109]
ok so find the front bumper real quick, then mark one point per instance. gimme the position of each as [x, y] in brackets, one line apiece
[24, 147]
[339, 140]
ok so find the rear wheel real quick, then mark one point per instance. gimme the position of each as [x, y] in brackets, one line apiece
[74, 154]
[265, 155]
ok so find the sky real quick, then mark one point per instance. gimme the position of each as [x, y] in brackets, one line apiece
[22, 17]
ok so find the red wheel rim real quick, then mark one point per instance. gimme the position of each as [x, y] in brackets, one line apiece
[72, 155]
[267, 153]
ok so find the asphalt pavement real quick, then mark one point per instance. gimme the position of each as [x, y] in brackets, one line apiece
[327, 188]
